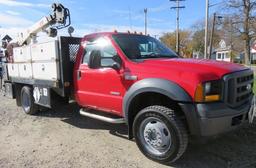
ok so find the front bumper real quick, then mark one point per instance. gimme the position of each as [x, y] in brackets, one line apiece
[211, 119]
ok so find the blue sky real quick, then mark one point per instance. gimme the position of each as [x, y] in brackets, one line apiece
[104, 15]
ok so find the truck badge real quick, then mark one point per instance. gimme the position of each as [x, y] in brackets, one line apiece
[36, 94]
[249, 87]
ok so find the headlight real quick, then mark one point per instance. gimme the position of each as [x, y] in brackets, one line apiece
[208, 91]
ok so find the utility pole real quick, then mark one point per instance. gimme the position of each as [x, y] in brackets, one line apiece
[178, 7]
[146, 12]
[212, 33]
[206, 29]
[231, 40]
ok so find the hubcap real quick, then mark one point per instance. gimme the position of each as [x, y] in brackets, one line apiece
[25, 101]
[155, 136]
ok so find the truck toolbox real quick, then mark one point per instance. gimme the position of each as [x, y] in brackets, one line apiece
[45, 51]
[22, 54]
[25, 70]
[13, 70]
[45, 70]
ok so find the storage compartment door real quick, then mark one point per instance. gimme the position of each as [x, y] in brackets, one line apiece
[25, 70]
[45, 51]
[45, 71]
[17, 54]
[22, 54]
[13, 70]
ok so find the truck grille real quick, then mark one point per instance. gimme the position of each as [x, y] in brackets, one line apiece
[238, 88]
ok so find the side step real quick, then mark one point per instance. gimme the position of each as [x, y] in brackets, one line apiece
[101, 117]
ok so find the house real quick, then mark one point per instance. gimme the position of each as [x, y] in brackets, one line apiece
[240, 58]
[5, 40]
[223, 53]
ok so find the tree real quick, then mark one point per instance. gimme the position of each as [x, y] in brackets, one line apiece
[243, 12]
[198, 41]
[199, 34]
[169, 39]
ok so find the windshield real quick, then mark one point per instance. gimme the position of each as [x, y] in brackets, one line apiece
[142, 47]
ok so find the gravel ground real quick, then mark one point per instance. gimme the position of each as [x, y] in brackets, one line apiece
[63, 138]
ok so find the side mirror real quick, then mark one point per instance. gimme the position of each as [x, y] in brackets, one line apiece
[114, 62]
[71, 30]
[95, 59]
[116, 66]
[117, 62]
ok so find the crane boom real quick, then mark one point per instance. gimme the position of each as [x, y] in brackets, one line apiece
[60, 17]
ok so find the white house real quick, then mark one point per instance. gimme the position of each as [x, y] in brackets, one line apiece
[223, 52]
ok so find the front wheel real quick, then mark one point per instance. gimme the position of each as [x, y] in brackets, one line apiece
[160, 134]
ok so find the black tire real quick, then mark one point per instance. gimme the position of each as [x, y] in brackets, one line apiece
[169, 125]
[27, 101]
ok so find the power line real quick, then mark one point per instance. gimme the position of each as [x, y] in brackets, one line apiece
[216, 4]
[177, 7]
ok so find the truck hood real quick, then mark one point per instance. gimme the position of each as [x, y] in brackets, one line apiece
[187, 73]
[195, 66]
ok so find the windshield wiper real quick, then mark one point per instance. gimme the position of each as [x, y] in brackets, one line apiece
[154, 55]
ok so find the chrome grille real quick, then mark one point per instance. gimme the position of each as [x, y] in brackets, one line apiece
[238, 88]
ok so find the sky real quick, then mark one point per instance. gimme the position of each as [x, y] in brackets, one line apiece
[89, 16]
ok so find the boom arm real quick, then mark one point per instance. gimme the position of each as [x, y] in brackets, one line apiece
[60, 16]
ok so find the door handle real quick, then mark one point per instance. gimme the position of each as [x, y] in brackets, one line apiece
[79, 75]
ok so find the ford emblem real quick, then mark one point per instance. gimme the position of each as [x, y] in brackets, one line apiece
[249, 87]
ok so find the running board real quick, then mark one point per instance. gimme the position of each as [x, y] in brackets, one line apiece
[101, 117]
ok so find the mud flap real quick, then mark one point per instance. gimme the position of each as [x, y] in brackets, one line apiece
[9, 90]
[42, 96]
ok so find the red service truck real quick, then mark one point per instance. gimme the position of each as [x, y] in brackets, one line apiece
[133, 79]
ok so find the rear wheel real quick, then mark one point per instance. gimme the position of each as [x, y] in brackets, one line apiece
[27, 101]
[160, 134]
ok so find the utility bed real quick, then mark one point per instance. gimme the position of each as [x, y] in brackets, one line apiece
[47, 65]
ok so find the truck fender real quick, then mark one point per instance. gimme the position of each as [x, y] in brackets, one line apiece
[162, 86]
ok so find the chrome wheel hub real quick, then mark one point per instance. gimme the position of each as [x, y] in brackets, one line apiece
[156, 136]
[25, 101]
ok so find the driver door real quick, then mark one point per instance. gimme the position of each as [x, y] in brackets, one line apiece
[101, 88]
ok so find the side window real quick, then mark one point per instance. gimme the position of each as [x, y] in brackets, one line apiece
[223, 56]
[219, 55]
[88, 49]
[90, 45]
[107, 51]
